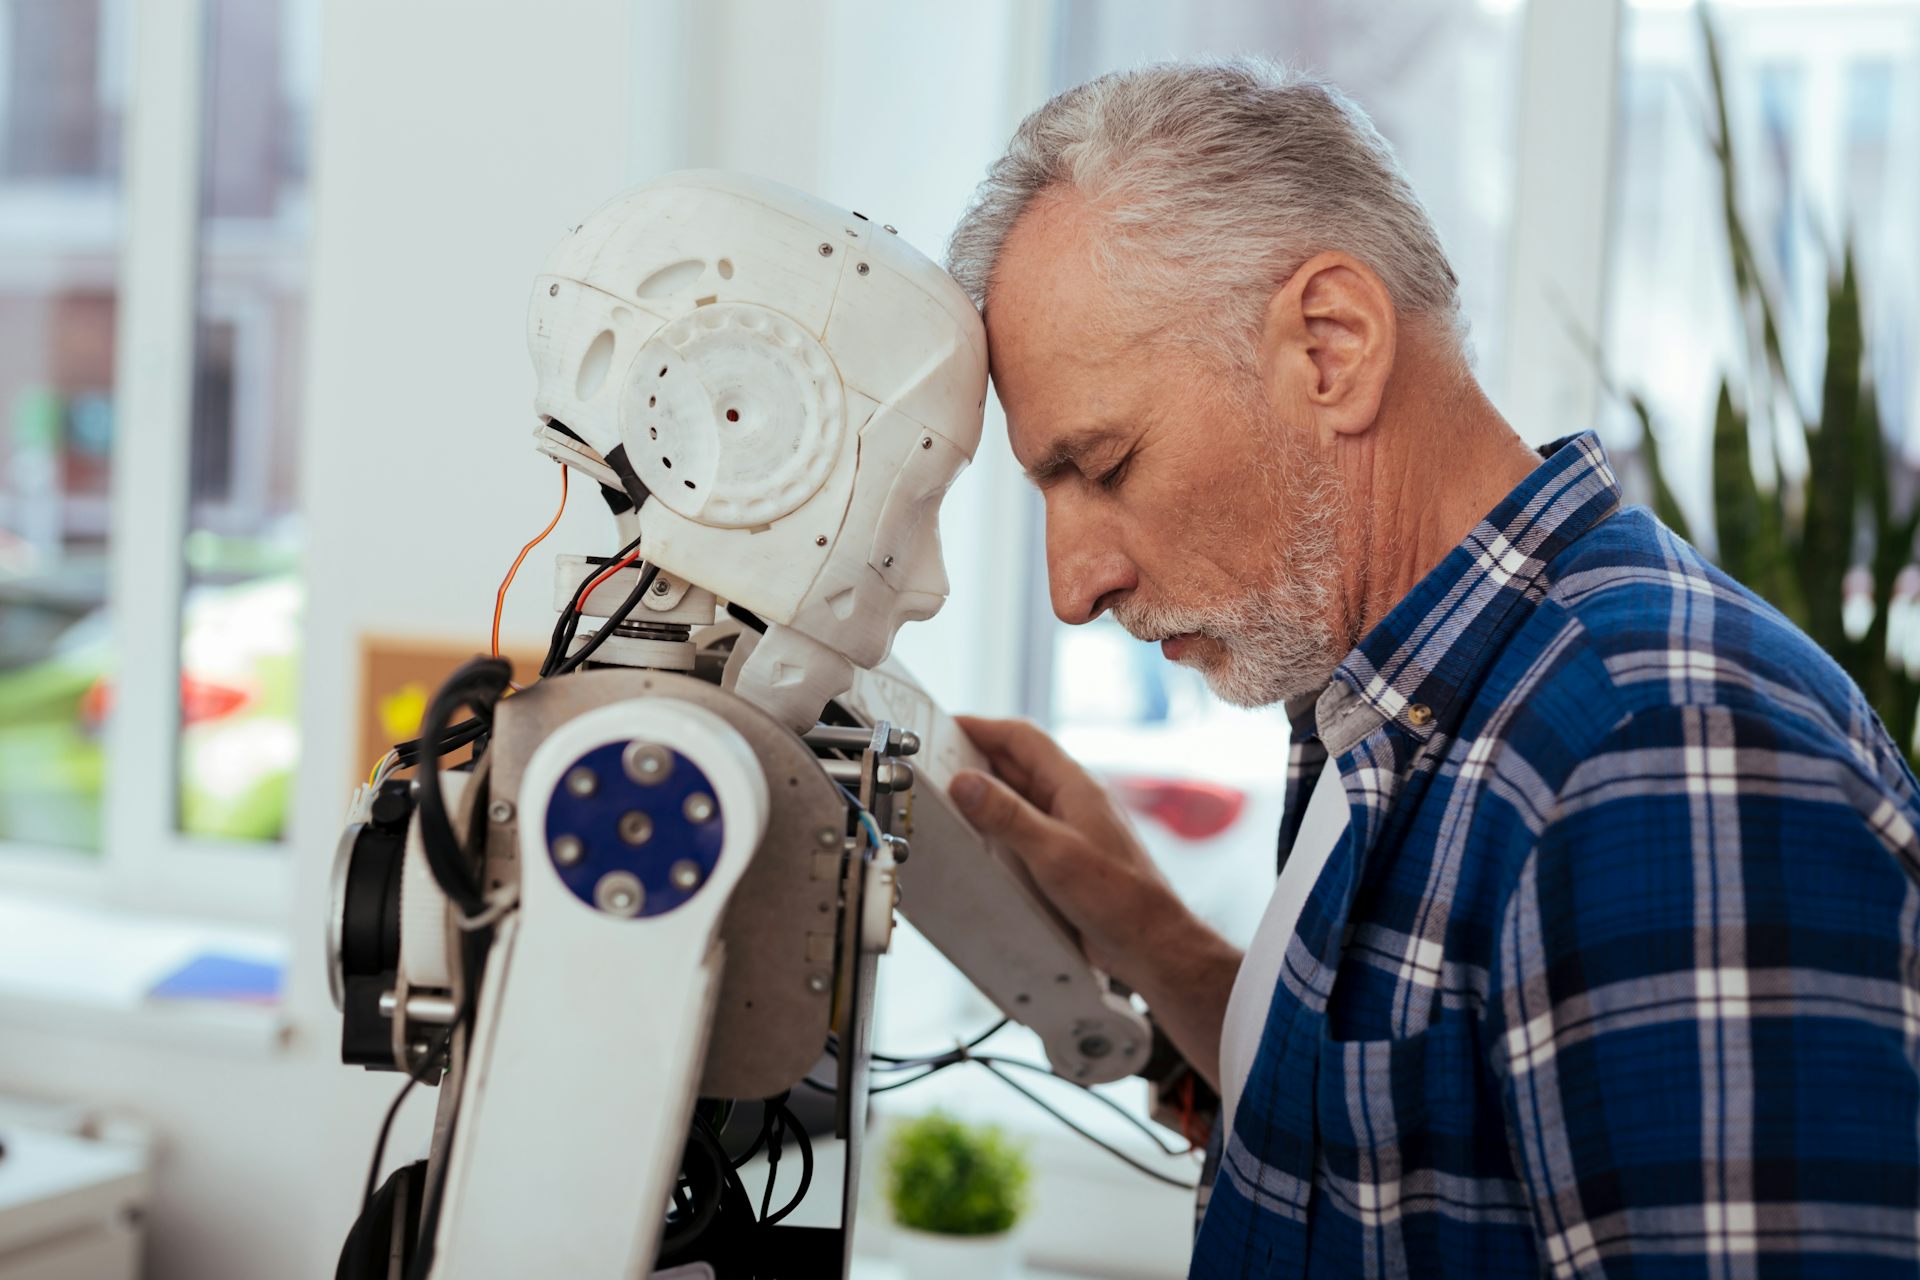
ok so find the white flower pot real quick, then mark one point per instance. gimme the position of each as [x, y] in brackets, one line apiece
[922, 1255]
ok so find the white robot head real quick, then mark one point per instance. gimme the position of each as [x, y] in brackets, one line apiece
[788, 387]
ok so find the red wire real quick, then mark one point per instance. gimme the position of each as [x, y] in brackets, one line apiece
[606, 573]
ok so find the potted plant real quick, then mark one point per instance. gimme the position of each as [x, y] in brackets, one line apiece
[956, 1190]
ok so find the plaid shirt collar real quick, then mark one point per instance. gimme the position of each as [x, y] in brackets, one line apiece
[1431, 650]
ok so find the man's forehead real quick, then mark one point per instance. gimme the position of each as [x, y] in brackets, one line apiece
[1054, 349]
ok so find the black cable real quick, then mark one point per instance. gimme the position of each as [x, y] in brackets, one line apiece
[897, 1084]
[480, 681]
[1105, 1146]
[1145, 1129]
[774, 1144]
[567, 624]
[414, 1077]
[993, 1063]
[612, 623]
[407, 754]
[759, 1139]
[790, 1122]
[974, 1043]
[474, 947]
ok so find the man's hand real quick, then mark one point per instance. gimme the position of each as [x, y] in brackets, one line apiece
[1083, 854]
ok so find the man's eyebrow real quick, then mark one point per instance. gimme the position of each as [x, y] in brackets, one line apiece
[1068, 452]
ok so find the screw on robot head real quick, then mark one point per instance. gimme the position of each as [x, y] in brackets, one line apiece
[553, 291]
[926, 442]
[863, 268]
[826, 250]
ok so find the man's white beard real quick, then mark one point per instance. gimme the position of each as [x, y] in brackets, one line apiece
[1279, 637]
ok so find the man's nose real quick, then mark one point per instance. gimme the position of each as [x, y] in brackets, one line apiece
[1084, 567]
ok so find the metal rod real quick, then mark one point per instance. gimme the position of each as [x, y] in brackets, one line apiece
[434, 1010]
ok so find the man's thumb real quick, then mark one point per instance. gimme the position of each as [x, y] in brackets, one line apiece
[993, 808]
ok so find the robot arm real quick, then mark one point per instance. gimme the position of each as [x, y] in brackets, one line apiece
[678, 852]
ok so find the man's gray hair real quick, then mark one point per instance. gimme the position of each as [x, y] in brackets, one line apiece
[1213, 182]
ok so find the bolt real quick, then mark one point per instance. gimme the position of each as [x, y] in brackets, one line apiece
[661, 586]
[1095, 1046]
[553, 291]
[636, 827]
[926, 442]
[568, 850]
[581, 782]
[862, 269]
[826, 250]
[820, 541]
[501, 811]
[619, 893]
[685, 874]
[646, 763]
[901, 849]
[699, 807]
[909, 742]
[887, 563]
[827, 838]
[816, 982]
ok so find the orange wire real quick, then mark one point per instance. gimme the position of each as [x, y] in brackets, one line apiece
[500, 599]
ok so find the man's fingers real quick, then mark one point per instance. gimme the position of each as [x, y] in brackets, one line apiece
[997, 810]
[1021, 749]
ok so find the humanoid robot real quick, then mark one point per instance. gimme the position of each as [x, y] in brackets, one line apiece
[658, 888]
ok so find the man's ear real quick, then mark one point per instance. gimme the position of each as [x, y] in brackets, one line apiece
[1328, 343]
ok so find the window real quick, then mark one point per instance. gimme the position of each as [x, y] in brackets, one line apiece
[1821, 104]
[62, 91]
[147, 467]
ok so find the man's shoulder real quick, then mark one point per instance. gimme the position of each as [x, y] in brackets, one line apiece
[1635, 625]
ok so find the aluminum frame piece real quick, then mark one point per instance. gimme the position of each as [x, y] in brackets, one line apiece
[780, 931]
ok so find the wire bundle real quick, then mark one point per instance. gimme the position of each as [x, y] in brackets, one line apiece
[931, 1064]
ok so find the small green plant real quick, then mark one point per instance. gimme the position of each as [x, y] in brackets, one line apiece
[955, 1179]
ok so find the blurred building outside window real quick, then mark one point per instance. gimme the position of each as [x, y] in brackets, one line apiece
[63, 94]
[65, 71]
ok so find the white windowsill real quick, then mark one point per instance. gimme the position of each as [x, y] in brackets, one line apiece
[85, 969]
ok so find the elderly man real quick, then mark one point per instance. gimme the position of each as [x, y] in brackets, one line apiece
[1596, 949]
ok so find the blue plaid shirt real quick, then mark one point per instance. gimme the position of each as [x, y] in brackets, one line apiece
[1617, 970]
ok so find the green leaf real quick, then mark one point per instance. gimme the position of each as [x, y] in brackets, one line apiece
[1826, 541]
[1665, 505]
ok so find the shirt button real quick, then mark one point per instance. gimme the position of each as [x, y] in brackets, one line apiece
[1419, 715]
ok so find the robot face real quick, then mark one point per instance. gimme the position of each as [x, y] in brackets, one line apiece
[795, 387]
